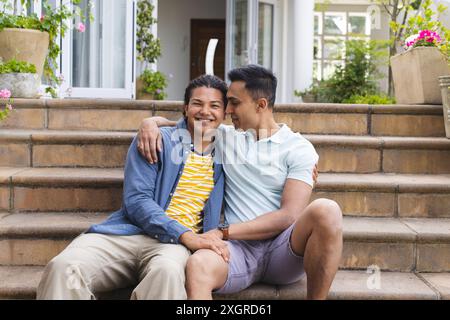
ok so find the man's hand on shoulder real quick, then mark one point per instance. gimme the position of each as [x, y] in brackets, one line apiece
[149, 137]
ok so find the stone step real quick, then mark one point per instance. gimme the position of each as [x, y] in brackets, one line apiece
[383, 243]
[387, 194]
[20, 282]
[60, 189]
[338, 153]
[123, 115]
[97, 189]
[62, 148]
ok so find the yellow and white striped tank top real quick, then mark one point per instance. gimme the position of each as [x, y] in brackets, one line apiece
[192, 192]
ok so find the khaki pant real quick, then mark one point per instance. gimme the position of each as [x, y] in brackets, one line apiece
[95, 263]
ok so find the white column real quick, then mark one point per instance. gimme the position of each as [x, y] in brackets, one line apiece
[303, 44]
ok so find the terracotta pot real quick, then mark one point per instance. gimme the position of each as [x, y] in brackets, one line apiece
[140, 93]
[416, 73]
[24, 45]
[445, 91]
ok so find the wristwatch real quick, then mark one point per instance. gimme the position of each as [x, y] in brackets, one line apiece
[224, 228]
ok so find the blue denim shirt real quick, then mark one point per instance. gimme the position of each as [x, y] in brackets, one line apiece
[148, 189]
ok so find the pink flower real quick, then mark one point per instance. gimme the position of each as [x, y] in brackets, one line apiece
[422, 38]
[5, 93]
[81, 27]
[42, 18]
[9, 107]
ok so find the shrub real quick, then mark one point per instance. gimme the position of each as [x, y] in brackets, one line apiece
[370, 99]
[358, 76]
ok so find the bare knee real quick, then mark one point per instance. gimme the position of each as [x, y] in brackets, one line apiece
[326, 215]
[198, 265]
[203, 268]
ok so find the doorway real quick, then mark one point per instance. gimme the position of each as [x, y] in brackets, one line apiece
[202, 31]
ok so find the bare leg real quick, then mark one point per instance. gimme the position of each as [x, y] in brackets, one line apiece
[205, 272]
[317, 236]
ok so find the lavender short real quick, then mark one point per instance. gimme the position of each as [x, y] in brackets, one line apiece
[270, 261]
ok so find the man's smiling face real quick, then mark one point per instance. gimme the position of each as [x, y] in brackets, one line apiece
[205, 109]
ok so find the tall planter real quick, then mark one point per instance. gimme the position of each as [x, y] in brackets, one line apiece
[24, 45]
[416, 73]
[445, 85]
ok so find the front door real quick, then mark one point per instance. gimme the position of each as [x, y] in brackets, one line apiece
[203, 33]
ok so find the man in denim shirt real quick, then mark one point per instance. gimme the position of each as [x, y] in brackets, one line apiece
[168, 208]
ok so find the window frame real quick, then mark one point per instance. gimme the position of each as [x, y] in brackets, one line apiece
[320, 61]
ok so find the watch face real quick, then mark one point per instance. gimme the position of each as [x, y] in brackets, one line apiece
[223, 225]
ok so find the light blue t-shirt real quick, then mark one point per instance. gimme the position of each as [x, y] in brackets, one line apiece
[256, 171]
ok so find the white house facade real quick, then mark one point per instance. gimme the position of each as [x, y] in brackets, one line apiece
[300, 40]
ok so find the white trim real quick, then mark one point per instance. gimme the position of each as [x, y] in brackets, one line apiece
[133, 49]
[37, 7]
[252, 25]
[99, 93]
[229, 36]
[284, 62]
[275, 32]
[66, 58]
[277, 39]
[320, 22]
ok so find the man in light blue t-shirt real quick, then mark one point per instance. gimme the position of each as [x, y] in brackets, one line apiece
[273, 234]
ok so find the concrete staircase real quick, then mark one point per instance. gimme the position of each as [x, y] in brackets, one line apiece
[61, 169]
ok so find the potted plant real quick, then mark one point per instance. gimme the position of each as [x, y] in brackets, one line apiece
[150, 84]
[309, 95]
[5, 96]
[416, 71]
[35, 39]
[20, 79]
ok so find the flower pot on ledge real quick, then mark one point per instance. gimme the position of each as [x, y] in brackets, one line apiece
[24, 45]
[416, 75]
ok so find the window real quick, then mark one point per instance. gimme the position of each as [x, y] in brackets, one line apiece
[331, 30]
